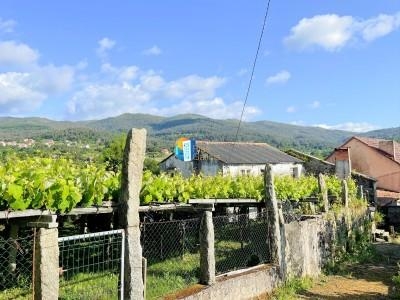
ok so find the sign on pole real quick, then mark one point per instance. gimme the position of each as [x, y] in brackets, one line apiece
[185, 149]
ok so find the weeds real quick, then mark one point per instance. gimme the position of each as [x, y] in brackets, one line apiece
[292, 287]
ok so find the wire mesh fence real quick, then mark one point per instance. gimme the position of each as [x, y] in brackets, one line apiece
[294, 210]
[291, 211]
[241, 241]
[16, 267]
[172, 251]
[90, 265]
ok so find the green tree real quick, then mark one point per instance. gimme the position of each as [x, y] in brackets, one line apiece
[113, 153]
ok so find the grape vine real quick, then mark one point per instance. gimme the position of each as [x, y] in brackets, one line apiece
[60, 184]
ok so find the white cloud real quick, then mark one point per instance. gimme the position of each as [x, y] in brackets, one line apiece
[18, 93]
[291, 109]
[332, 32]
[98, 101]
[7, 26]
[195, 86]
[315, 104]
[52, 79]
[350, 126]
[215, 108]
[149, 92]
[155, 51]
[125, 73]
[104, 45]
[27, 83]
[280, 77]
[14, 53]
[380, 26]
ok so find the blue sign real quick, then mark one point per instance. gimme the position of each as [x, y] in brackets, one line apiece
[185, 149]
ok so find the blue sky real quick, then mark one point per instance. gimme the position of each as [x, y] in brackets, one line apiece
[333, 64]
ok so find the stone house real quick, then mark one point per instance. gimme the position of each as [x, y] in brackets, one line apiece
[234, 158]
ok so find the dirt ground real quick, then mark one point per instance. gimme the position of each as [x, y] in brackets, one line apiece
[367, 281]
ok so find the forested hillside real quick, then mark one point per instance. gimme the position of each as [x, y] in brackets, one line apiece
[163, 131]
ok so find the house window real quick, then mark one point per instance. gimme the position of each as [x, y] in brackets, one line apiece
[245, 171]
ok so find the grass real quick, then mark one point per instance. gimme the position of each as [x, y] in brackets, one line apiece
[163, 278]
[16, 293]
[100, 286]
[172, 275]
[291, 288]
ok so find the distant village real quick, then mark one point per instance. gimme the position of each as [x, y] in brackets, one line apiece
[28, 143]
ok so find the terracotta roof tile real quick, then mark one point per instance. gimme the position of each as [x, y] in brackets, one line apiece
[372, 142]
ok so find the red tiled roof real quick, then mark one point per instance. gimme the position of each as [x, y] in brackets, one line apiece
[374, 143]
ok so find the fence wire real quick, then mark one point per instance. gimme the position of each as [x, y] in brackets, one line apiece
[16, 267]
[291, 211]
[172, 251]
[241, 241]
[90, 265]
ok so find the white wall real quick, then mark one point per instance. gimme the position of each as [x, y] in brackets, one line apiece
[279, 169]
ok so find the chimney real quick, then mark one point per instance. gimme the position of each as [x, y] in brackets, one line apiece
[342, 163]
[388, 147]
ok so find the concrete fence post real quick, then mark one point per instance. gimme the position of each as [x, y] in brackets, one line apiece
[345, 194]
[131, 183]
[46, 258]
[207, 250]
[324, 192]
[274, 214]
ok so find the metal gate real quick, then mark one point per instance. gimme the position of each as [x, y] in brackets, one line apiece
[91, 265]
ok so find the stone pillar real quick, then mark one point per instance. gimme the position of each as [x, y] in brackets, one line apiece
[45, 259]
[345, 194]
[207, 250]
[324, 192]
[271, 205]
[131, 183]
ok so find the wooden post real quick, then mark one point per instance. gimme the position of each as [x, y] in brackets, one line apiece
[324, 192]
[45, 259]
[131, 183]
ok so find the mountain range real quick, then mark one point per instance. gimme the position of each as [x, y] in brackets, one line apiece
[163, 131]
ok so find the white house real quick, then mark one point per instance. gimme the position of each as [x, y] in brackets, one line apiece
[233, 158]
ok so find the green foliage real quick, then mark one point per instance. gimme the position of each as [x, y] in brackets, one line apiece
[292, 287]
[55, 184]
[113, 153]
[396, 282]
[152, 165]
[167, 188]
[378, 217]
[350, 250]
[289, 188]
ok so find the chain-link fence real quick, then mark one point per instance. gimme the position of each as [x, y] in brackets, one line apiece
[90, 265]
[296, 210]
[241, 241]
[16, 267]
[291, 211]
[172, 252]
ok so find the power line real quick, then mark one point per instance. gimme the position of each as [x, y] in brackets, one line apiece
[252, 71]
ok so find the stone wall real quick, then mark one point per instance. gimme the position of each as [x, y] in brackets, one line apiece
[309, 245]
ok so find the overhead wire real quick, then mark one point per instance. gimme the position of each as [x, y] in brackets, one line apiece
[252, 70]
